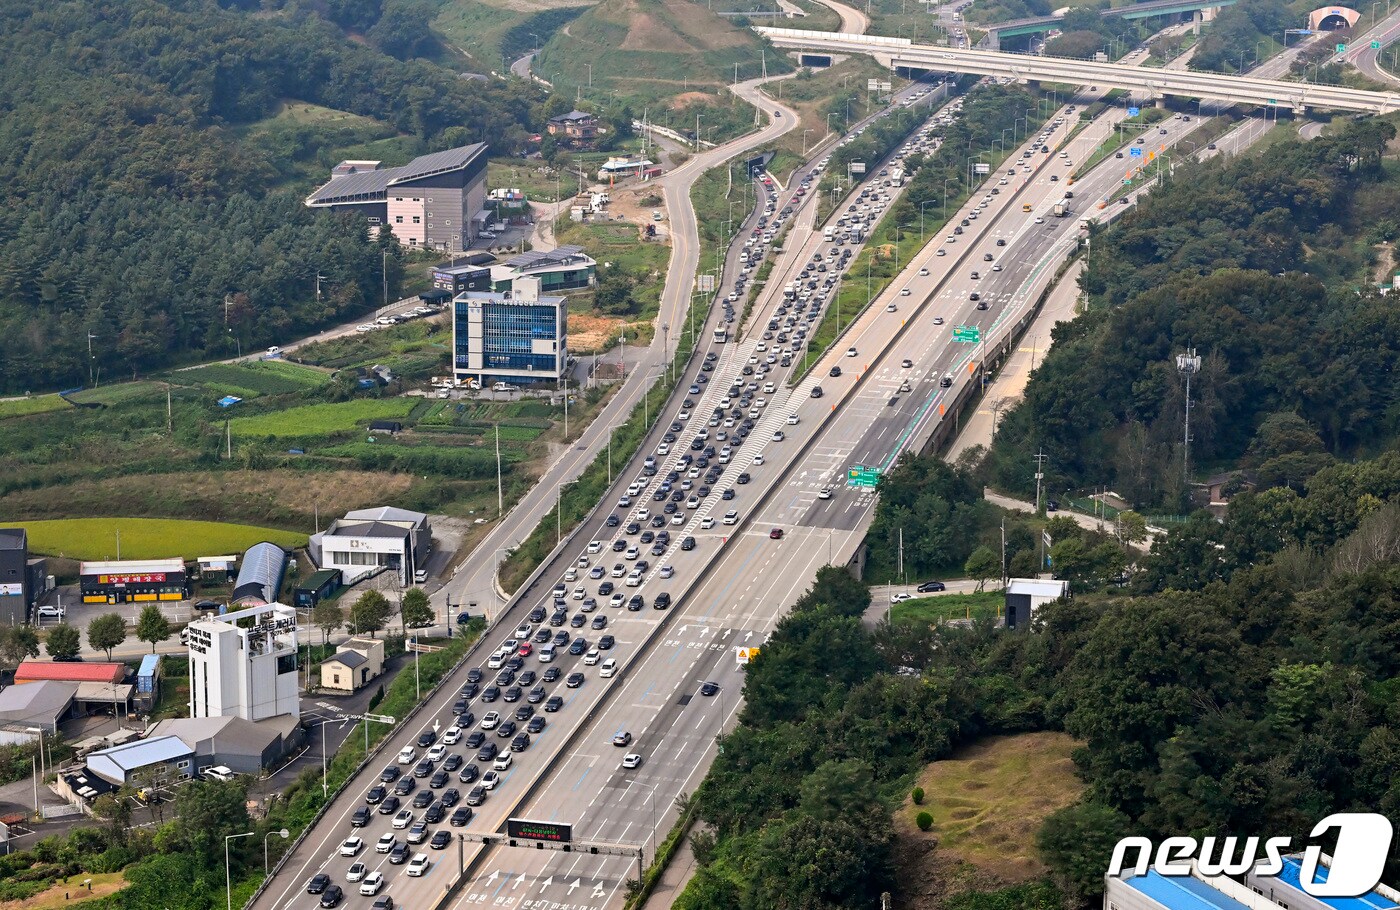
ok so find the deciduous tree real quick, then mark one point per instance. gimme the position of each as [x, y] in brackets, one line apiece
[106, 632]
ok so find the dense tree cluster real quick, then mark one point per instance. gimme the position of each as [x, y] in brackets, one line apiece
[1255, 264]
[136, 210]
[1231, 41]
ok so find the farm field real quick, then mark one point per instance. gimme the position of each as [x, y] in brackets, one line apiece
[945, 607]
[38, 404]
[322, 419]
[147, 538]
[249, 380]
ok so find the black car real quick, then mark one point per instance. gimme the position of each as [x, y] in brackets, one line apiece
[527, 678]
[612, 521]
[440, 840]
[477, 796]
[743, 478]
[606, 642]
[215, 605]
[727, 494]
[520, 742]
[558, 618]
[551, 674]
[450, 797]
[470, 773]
[573, 682]
[536, 695]
[459, 707]
[461, 817]
[360, 818]
[452, 762]
[389, 774]
[383, 902]
[376, 794]
[319, 883]
[439, 780]
[537, 614]
[398, 854]
[389, 806]
[688, 543]
[930, 586]
[663, 600]
[578, 646]
[515, 663]
[471, 690]
[599, 622]
[524, 713]
[434, 814]
[536, 725]
[426, 739]
[474, 739]
[512, 694]
[474, 674]
[605, 589]
[490, 694]
[423, 768]
[506, 730]
[405, 786]
[332, 896]
[422, 799]
[636, 603]
[487, 752]
[709, 688]
[542, 636]
[578, 621]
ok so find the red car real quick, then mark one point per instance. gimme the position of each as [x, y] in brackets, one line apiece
[526, 649]
[776, 534]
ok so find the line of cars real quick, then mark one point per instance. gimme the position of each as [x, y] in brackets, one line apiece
[384, 322]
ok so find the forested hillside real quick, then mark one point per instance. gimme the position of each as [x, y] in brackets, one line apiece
[137, 200]
[1264, 265]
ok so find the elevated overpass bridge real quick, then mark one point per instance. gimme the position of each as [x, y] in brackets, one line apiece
[1152, 8]
[901, 53]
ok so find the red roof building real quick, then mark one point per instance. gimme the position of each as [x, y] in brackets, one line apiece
[66, 671]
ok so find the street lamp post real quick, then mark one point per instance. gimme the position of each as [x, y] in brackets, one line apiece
[284, 834]
[228, 874]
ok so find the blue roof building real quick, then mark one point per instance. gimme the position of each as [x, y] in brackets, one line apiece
[1286, 890]
[1153, 891]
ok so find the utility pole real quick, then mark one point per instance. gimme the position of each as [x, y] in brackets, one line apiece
[1039, 476]
[899, 566]
[500, 494]
[1188, 365]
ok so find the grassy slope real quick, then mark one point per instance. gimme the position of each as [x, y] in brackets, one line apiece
[319, 419]
[650, 49]
[987, 804]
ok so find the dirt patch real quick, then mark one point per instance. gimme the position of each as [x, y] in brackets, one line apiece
[58, 895]
[647, 32]
[685, 98]
[988, 802]
[590, 334]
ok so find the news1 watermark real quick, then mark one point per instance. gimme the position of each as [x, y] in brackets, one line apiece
[1357, 861]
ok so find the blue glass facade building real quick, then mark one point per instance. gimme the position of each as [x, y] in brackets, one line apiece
[517, 335]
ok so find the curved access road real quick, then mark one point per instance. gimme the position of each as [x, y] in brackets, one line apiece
[475, 579]
[1366, 58]
[853, 21]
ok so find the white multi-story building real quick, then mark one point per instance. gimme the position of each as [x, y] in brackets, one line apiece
[244, 664]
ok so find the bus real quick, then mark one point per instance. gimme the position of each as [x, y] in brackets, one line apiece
[721, 335]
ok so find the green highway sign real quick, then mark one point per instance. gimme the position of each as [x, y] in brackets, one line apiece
[1375, 45]
[968, 333]
[1341, 47]
[861, 476]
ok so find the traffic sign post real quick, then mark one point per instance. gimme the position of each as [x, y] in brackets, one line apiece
[1375, 45]
[969, 333]
[532, 830]
[1134, 111]
[861, 476]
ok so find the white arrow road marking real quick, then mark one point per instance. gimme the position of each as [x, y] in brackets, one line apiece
[748, 635]
[546, 883]
[598, 889]
[493, 876]
[518, 882]
[575, 884]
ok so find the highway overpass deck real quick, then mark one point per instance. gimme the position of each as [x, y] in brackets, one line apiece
[902, 53]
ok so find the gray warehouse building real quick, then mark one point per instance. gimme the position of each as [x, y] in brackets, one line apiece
[22, 580]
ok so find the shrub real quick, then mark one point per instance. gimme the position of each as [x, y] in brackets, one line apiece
[924, 821]
[918, 796]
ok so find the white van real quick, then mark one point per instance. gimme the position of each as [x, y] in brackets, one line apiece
[547, 654]
[608, 669]
[498, 659]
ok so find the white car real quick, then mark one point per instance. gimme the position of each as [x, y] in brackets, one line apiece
[705, 524]
[418, 865]
[453, 735]
[372, 883]
[523, 633]
[385, 843]
[901, 598]
[757, 460]
[608, 668]
[731, 517]
[631, 760]
[490, 779]
[49, 611]
[407, 754]
[595, 546]
[403, 819]
[669, 571]
[825, 493]
[351, 846]
[437, 753]
[356, 872]
[503, 761]
[592, 657]
[490, 720]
